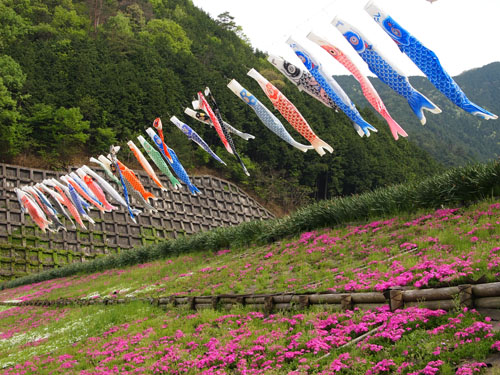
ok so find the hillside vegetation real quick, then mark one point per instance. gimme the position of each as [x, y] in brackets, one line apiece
[453, 137]
[77, 76]
[456, 186]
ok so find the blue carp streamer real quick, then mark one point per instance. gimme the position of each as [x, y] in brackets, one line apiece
[427, 61]
[387, 73]
[331, 87]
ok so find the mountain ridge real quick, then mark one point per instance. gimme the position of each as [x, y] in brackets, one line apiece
[454, 137]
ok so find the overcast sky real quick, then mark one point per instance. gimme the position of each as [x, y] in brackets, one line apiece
[464, 34]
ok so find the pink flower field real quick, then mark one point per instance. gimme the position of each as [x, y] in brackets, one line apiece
[243, 342]
[446, 247]
[441, 248]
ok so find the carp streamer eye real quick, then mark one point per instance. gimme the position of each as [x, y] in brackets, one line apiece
[291, 69]
[396, 32]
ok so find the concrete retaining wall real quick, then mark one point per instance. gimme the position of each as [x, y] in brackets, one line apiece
[24, 248]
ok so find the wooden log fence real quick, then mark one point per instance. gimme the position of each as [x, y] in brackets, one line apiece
[480, 296]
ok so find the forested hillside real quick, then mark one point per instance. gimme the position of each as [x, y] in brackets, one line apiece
[76, 76]
[453, 137]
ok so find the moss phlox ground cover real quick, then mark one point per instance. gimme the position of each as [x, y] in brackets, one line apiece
[445, 247]
[410, 341]
[448, 246]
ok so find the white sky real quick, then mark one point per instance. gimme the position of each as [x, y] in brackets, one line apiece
[464, 34]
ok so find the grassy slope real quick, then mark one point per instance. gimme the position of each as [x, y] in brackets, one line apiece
[454, 187]
[453, 246]
[447, 246]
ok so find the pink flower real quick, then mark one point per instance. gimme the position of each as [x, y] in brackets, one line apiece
[496, 345]
[470, 368]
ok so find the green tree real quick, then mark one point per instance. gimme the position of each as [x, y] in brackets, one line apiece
[12, 25]
[119, 33]
[13, 131]
[68, 23]
[226, 21]
[168, 33]
[58, 133]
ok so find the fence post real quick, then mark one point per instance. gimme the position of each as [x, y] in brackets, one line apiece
[303, 302]
[172, 300]
[268, 304]
[465, 295]
[346, 302]
[240, 300]
[191, 303]
[396, 299]
[215, 302]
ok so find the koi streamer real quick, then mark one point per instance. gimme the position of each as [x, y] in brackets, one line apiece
[368, 90]
[387, 73]
[427, 61]
[267, 118]
[331, 87]
[290, 112]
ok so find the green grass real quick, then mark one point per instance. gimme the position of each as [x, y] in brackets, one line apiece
[454, 187]
[63, 328]
[354, 258]
[142, 337]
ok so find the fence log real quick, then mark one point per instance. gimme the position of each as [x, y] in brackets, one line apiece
[233, 300]
[370, 306]
[282, 306]
[486, 290]
[437, 294]
[487, 303]
[255, 306]
[316, 299]
[163, 301]
[372, 297]
[446, 304]
[203, 299]
[203, 306]
[255, 300]
[181, 300]
[484, 296]
[282, 298]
